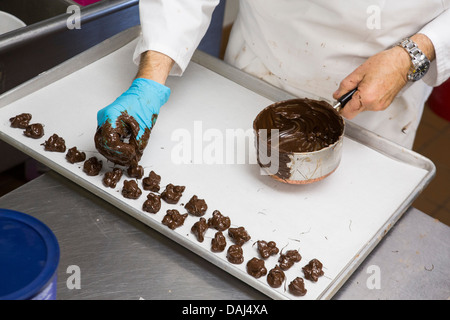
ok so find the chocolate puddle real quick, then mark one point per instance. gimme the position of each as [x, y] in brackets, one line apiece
[304, 125]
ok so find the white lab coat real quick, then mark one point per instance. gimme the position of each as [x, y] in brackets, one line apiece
[308, 46]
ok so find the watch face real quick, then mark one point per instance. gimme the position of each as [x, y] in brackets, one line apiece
[419, 72]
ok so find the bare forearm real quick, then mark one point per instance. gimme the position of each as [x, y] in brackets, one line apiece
[155, 66]
[424, 44]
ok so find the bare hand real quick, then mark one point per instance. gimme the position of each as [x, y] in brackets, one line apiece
[379, 79]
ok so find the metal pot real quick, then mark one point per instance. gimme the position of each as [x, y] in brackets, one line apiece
[299, 167]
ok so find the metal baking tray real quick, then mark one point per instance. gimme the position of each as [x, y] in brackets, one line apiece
[218, 186]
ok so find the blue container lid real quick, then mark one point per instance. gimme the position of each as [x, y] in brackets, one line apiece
[29, 255]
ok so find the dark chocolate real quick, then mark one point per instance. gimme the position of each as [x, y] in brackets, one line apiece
[131, 190]
[196, 206]
[172, 193]
[92, 166]
[288, 259]
[256, 268]
[275, 277]
[151, 183]
[239, 235]
[152, 204]
[111, 142]
[218, 221]
[73, 155]
[267, 249]
[235, 254]
[55, 143]
[20, 121]
[135, 171]
[304, 125]
[297, 287]
[218, 243]
[35, 131]
[173, 219]
[313, 270]
[111, 178]
[199, 229]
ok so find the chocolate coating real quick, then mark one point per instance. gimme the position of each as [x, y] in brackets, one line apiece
[288, 259]
[256, 268]
[297, 287]
[304, 125]
[135, 171]
[130, 189]
[111, 178]
[235, 254]
[199, 229]
[239, 235]
[151, 182]
[21, 120]
[313, 270]
[172, 193]
[152, 204]
[73, 155]
[55, 143]
[276, 277]
[173, 219]
[35, 131]
[196, 206]
[218, 243]
[267, 249]
[218, 221]
[92, 166]
[110, 142]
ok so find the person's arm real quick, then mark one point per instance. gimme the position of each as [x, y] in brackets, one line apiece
[380, 78]
[154, 66]
[437, 31]
[137, 109]
[173, 27]
[171, 31]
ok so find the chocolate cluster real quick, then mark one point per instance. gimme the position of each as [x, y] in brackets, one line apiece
[172, 193]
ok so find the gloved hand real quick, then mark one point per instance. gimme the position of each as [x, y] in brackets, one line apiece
[131, 116]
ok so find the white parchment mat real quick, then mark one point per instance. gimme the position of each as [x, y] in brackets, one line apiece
[331, 220]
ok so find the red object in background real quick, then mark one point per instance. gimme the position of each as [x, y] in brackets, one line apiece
[439, 100]
[85, 2]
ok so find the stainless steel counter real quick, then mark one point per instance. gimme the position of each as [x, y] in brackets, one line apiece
[121, 258]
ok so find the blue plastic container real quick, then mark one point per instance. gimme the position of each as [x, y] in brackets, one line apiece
[29, 257]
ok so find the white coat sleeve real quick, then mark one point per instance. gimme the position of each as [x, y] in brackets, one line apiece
[438, 31]
[173, 27]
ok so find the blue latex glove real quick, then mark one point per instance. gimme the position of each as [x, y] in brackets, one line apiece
[130, 114]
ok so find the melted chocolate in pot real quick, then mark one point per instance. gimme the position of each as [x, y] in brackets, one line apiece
[304, 125]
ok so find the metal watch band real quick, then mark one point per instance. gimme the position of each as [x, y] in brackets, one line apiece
[420, 62]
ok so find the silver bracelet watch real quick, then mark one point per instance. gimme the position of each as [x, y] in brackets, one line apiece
[420, 62]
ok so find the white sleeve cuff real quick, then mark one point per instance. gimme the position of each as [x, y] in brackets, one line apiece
[174, 28]
[438, 32]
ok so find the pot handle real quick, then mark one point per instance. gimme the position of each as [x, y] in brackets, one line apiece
[342, 101]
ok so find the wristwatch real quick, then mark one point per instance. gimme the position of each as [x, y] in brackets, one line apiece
[420, 62]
